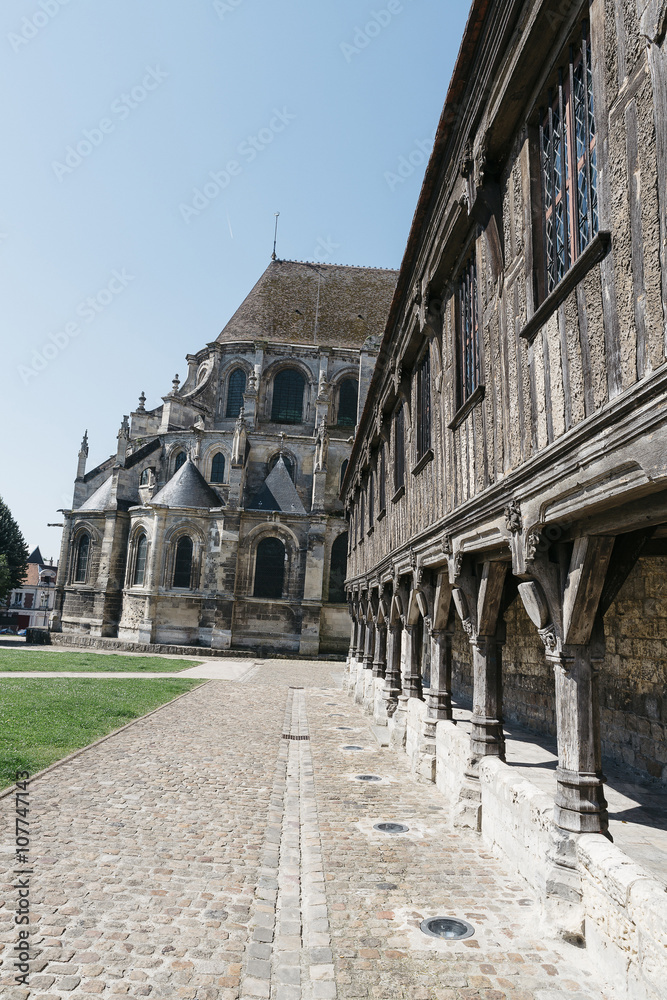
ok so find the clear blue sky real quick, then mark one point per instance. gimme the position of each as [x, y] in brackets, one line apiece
[114, 112]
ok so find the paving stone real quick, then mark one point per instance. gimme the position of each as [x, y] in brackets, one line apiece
[186, 901]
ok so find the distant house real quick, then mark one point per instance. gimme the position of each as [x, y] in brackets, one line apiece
[31, 603]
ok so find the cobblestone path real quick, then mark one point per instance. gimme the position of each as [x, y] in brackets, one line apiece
[223, 849]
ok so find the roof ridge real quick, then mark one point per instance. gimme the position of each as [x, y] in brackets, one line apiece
[323, 263]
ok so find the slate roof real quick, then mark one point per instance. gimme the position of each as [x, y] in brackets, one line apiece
[36, 557]
[353, 305]
[102, 498]
[187, 488]
[278, 492]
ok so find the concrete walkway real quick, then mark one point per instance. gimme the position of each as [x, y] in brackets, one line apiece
[223, 849]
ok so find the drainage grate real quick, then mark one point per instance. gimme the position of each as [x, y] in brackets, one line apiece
[391, 827]
[288, 736]
[352, 747]
[448, 928]
[292, 688]
[367, 777]
[348, 729]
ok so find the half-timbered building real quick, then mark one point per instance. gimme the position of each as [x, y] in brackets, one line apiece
[507, 489]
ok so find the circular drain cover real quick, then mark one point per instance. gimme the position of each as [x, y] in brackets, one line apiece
[391, 827]
[385, 885]
[447, 927]
[367, 777]
[352, 747]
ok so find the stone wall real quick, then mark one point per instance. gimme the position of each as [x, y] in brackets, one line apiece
[633, 678]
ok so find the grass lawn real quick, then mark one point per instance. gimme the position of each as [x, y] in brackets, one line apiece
[19, 659]
[44, 719]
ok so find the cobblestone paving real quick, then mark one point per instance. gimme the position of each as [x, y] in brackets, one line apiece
[222, 849]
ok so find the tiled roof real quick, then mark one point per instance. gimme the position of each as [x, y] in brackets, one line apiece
[283, 306]
[187, 488]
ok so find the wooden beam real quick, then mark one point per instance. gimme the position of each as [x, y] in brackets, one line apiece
[490, 596]
[583, 586]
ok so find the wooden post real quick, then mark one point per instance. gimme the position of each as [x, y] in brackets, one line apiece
[369, 643]
[412, 681]
[392, 677]
[380, 660]
[486, 737]
[439, 695]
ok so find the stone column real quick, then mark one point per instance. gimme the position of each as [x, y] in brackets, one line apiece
[439, 695]
[486, 738]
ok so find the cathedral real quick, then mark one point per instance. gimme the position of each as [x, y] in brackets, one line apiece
[217, 521]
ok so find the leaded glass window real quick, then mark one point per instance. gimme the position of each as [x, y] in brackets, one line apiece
[140, 562]
[218, 468]
[82, 553]
[183, 562]
[568, 154]
[371, 500]
[399, 448]
[468, 332]
[288, 389]
[424, 406]
[235, 389]
[382, 474]
[343, 470]
[269, 568]
[347, 402]
[179, 461]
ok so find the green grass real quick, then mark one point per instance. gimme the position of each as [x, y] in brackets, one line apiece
[20, 659]
[45, 719]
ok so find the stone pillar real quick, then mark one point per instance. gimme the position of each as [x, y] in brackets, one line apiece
[439, 695]
[361, 641]
[486, 738]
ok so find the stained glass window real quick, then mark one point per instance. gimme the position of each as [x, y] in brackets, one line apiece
[235, 390]
[140, 562]
[183, 562]
[347, 402]
[269, 568]
[569, 164]
[218, 468]
[288, 389]
[338, 570]
[180, 460]
[82, 553]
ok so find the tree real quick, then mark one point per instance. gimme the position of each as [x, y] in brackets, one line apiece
[15, 551]
[5, 585]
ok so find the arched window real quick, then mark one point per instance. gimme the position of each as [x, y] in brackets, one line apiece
[347, 402]
[183, 562]
[218, 468]
[140, 562]
[269, 568]
[235, 390]
[179, 460]
[289, 464]
[145, 477]
[343, 470]
[288, 389]
[338, 570]
[82, 554]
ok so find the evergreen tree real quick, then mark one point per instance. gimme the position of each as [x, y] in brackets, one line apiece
[15, 550]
